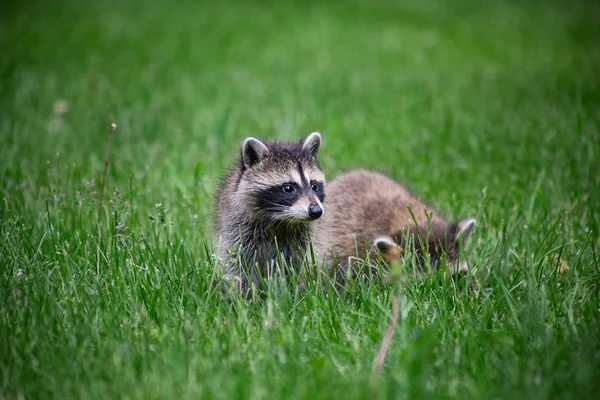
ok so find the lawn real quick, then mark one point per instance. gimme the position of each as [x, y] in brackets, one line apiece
[485, 109]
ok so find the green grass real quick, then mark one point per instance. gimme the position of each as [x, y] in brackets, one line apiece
[486, 109]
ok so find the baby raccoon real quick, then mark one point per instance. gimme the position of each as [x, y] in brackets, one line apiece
[265, 206]
[367, 209]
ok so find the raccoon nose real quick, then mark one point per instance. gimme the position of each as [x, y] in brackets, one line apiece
[315, 212]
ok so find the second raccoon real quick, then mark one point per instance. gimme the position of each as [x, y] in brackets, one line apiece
[368, 210]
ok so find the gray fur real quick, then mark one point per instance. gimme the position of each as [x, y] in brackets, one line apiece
[254, 229]
[368, 211]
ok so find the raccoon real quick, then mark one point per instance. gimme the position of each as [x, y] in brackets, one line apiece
[265, 207]
[368, 211]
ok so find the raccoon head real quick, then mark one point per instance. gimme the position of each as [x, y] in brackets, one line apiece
[282, 181]
[437, 241]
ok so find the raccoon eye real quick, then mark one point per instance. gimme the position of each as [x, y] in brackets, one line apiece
[314, 186]
[288, 188]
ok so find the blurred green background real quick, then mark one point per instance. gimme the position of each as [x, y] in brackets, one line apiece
[451, 96]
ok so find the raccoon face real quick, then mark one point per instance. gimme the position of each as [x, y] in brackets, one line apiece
[438, 242]
[283, 181]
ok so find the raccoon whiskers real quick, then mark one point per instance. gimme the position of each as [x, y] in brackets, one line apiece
[271, 211]
[296, 216]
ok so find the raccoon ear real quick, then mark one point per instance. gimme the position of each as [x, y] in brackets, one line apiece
[312, 143]
[253, 150]
[388, 249]
[464, 228]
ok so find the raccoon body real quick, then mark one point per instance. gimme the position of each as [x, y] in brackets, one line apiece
[368, 211]
[265, 207]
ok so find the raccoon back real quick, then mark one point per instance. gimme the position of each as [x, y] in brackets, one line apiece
[363, 205]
